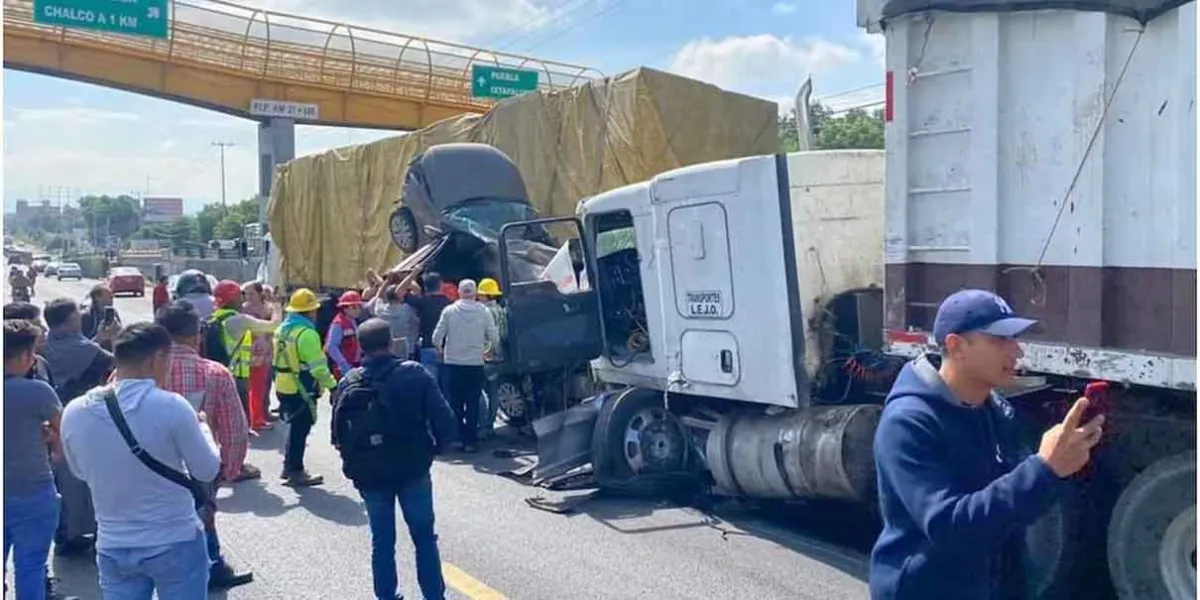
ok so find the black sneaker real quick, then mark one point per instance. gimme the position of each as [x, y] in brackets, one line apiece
[52, 591]
[223, 577]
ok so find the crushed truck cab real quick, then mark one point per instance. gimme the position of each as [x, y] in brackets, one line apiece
[714, 280]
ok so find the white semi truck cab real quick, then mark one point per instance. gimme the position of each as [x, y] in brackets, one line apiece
[731, 303]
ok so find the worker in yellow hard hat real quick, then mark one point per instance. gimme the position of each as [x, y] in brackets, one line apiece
[301, 373]
[489, 294]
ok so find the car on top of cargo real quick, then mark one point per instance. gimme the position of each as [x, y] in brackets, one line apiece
[468, 188]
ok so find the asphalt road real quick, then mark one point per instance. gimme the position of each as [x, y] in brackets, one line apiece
[314, 543]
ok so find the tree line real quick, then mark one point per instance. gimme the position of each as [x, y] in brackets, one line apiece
[852, 129]
[102, 216]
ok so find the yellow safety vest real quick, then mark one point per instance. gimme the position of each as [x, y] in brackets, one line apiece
[239, 350]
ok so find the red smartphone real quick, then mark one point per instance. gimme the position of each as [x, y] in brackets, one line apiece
[1097, 394]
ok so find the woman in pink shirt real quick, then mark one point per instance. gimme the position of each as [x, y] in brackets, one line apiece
[260, 357]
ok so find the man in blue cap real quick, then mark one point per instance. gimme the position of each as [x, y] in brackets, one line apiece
[955, 489]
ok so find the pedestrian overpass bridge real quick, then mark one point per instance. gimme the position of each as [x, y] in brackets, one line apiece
[226, 57]
[222, 56]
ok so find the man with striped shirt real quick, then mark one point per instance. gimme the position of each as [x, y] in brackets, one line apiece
[210, 388]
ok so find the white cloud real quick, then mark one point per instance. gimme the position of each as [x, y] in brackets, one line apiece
[443, 20]
[74, 116]
[741, 63]
[784, 8]
[876, 46]
[114, 155]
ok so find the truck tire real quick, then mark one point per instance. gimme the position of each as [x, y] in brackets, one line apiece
[1053, 546]
[635, 435]
[1152, 533]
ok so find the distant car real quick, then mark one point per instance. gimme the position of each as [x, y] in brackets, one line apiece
[69, 271]
[51, 267]
[126, 280]
[39, 262]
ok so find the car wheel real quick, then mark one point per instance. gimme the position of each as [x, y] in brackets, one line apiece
[403, 228]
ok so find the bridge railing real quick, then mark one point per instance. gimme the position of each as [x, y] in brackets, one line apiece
[276, 46]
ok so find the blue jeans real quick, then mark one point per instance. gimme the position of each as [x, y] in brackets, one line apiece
[429, 360]
[177, 571]
[416, 502]
[29, 524]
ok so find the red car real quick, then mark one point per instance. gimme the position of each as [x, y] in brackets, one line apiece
[127, 280]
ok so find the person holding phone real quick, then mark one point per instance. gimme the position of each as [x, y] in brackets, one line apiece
[955, 488]
[100, 320]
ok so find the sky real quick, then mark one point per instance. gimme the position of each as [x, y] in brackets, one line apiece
[63, 139]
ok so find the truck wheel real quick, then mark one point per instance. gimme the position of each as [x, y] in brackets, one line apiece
[511, 403]
[635, 434]
[1152, 533]
[403, 228]
[1053, 545]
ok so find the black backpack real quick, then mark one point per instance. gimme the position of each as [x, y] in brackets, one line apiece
[212, 340]
[363, 428]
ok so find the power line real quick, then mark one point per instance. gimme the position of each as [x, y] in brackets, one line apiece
[556, 14]
[562, 32]
[857, 107]
[848, 92]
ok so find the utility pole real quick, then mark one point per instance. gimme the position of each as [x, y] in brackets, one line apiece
[223, 146]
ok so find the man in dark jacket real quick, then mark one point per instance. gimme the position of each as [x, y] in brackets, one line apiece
[429, 306]
[955, 490]
[77, 364]
[414, 408]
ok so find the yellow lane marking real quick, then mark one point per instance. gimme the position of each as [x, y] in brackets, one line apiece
[465, 584]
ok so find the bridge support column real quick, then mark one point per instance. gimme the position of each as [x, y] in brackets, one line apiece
[276, 144]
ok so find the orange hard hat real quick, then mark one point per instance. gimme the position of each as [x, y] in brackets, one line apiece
[227, 292]
[350, 298]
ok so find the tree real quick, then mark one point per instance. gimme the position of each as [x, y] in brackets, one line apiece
[789, 138]
[853, 129]
[185, 230]
[233, 224]
[110, 215]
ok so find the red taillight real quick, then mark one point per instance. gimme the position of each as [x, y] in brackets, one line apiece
[888, 91]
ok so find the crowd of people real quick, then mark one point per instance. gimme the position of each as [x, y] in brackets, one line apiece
[118, 436]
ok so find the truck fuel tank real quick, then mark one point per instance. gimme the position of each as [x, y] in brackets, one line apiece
[816, 452]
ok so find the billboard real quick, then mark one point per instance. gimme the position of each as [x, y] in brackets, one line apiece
[161, 210]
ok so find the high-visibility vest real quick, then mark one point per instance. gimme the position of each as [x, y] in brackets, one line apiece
[239, 350]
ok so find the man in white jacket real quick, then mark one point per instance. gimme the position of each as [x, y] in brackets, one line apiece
[463, 331]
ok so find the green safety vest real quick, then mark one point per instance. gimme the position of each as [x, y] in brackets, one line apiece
[240, 350]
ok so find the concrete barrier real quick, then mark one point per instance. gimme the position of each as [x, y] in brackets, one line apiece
[222, 268]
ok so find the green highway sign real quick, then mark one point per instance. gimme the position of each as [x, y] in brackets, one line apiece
[131, 17]
[501, 82]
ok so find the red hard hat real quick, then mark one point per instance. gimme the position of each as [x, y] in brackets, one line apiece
[350, 299]
[227, 292]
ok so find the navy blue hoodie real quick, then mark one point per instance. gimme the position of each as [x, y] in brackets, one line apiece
[955, 492]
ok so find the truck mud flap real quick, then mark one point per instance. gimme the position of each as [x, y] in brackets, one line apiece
[564, 439]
